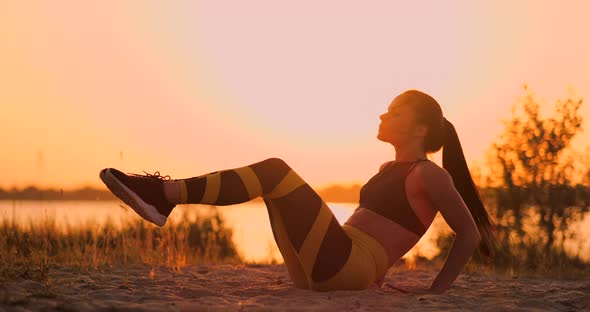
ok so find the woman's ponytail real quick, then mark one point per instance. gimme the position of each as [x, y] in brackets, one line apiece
[454, 162]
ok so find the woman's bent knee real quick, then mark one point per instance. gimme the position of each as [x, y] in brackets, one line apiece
[276, 162]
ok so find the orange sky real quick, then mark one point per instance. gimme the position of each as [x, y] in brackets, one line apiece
[191, 88]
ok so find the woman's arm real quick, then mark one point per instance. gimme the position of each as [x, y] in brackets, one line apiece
[438, 186]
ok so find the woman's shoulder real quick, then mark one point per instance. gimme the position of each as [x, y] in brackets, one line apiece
[429, 173]
[385, 164]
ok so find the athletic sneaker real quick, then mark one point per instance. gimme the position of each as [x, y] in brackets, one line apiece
[143, 193]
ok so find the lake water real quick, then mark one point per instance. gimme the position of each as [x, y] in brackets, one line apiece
[249, 222]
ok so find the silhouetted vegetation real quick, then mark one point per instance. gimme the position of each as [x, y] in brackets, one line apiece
[33, 249]
[534, 189]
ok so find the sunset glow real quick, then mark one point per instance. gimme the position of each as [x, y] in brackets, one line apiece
[190, 88]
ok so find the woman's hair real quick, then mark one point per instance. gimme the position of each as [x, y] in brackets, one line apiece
[441, 133]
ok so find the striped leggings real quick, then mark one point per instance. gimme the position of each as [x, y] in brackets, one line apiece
[318, 252]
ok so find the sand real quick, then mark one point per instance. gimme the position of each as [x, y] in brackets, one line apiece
[268, 288]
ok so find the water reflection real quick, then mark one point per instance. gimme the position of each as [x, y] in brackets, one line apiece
[249, 221]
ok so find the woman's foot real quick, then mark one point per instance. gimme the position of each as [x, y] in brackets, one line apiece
[143, 193]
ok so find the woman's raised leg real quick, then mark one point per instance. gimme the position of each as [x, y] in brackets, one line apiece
[314, 246]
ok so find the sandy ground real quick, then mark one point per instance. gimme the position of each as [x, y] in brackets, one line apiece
[268, 288]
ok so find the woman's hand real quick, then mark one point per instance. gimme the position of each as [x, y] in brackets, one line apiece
[416, 290]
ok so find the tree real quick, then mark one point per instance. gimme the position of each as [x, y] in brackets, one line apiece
[533, 172]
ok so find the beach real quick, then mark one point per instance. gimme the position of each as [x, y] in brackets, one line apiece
[257, 287]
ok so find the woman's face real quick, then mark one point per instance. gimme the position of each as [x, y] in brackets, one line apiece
[398, 125]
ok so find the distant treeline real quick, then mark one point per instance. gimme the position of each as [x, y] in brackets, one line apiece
[35, 193]
[334, 193]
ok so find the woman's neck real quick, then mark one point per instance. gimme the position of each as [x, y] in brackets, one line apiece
[409, 153]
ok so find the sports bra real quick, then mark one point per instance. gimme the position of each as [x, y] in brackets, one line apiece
[385, 194]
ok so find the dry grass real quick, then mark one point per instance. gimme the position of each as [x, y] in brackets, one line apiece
[30, 251]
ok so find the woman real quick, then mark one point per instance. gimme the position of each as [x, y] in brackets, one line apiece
[396, 205]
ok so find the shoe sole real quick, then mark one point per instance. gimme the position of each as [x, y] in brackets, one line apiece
[145, 210]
